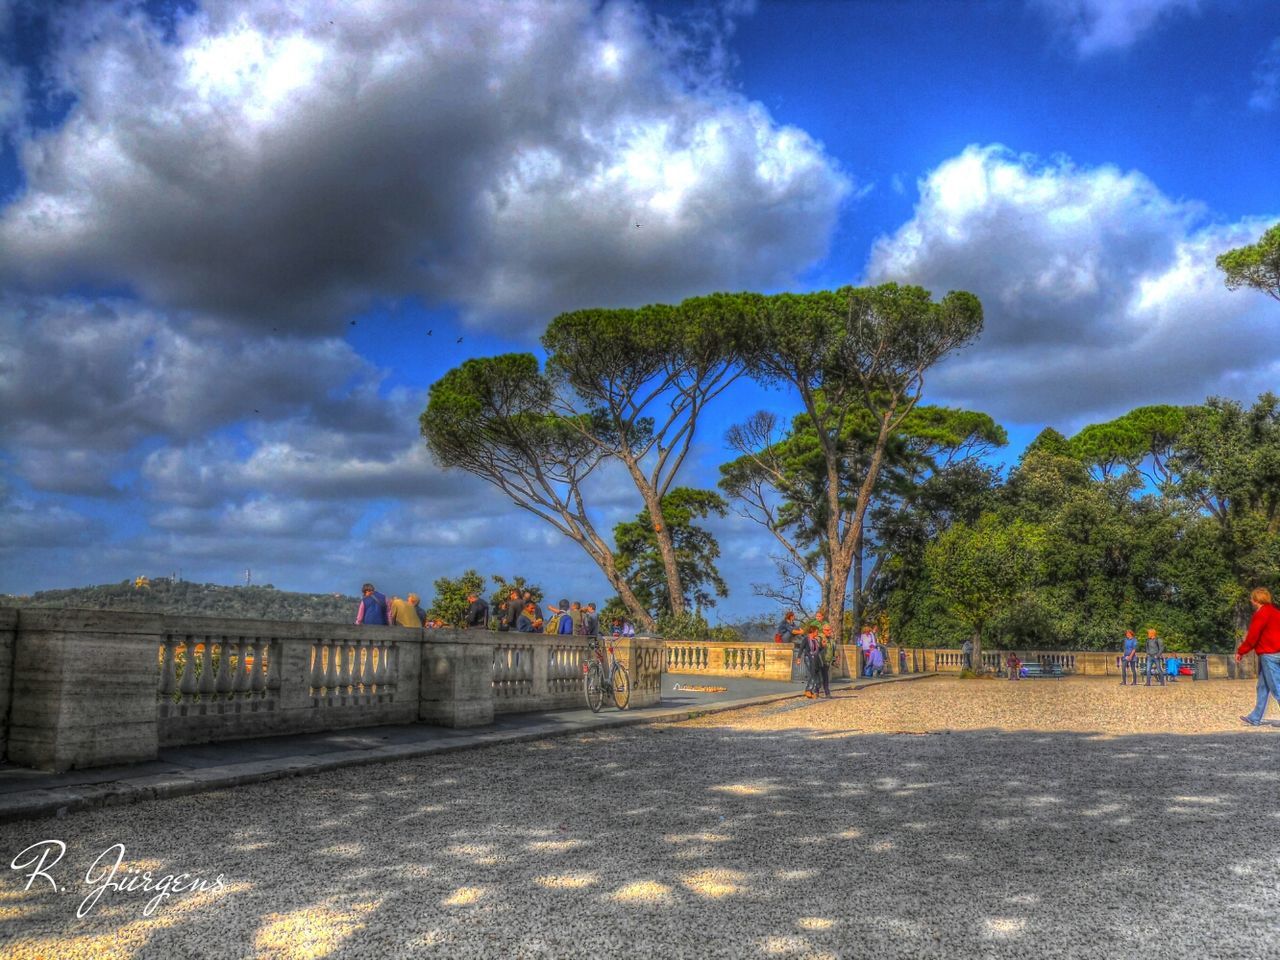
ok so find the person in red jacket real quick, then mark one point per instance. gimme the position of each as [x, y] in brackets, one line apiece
[1263, 639]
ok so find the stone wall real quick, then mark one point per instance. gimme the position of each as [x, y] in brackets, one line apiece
[81, 688]
[8, 624]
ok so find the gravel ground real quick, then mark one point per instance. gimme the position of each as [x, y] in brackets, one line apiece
[937, 818]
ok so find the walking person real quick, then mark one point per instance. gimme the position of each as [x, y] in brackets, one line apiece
[373, 607]
[811, 650]
[1129, 659]
[1263, 639]
[827, 654]
[1155, 656]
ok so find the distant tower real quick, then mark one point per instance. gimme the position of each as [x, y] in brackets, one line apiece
[248, 577]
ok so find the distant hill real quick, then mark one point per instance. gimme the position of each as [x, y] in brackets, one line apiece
[163, 595]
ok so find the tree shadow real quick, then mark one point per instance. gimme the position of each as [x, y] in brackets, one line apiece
[701, 841]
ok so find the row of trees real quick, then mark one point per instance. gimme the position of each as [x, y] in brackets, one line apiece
[628, 387]
[1163, 517]
[868, 494]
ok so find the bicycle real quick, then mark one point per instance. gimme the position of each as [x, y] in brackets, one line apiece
[603, 674]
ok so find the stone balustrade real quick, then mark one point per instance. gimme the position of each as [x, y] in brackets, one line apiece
[83, 688]
[759, 661]
[1083, 663]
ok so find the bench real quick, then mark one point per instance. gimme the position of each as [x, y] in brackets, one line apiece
[1032, 671]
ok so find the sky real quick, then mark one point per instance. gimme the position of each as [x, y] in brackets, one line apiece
[240, 240]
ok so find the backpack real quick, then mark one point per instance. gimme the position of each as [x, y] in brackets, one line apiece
[553, 625]
[580, 626]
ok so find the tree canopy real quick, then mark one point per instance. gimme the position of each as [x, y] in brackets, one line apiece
[1256, 265]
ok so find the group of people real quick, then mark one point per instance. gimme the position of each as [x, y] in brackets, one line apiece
[1129, 658]
[523, 614]
[815, 646]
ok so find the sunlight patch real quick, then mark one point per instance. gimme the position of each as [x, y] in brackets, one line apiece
[552, 846]
[464, 897]
[1003, 927]
[310, 932]
[716, 883]
[566, 881]
[815, 923]
[643, 891]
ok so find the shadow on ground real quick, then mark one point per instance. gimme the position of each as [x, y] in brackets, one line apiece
[702, 841]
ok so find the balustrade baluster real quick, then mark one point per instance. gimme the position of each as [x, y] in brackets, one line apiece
[188, 685]
[331, 667]
[344, 667]
[223, 686]
[364, 663]
[168, 675]
[383, 674]
[242, 665]
[258, 682]
[206, 669]
[316, 676]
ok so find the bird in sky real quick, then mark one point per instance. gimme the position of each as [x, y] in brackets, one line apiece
[429, 333]
[459, 339]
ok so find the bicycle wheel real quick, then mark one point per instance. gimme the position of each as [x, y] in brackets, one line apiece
[621, 686]
[594, 684]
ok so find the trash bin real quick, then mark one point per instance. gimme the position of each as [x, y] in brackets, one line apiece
[1202, 666]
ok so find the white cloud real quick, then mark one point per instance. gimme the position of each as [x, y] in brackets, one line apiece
[82, 382]
[1096, 26]
[1100, 291]
[292, 160]
[1266, 80]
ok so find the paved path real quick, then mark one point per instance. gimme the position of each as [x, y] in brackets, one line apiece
[912, 820]
[178, 771]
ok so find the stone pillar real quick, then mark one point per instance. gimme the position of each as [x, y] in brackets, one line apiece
[8, 626]
[84, 688]
[645, 660]
[456, 687]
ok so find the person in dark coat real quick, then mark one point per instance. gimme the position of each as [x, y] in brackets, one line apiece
[510, 619]
[477, 614]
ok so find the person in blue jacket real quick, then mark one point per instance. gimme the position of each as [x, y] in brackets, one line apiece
[373, 607]
[1129, 659]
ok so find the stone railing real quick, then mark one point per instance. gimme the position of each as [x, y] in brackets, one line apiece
[82, 688]
[226, 679]
[1084, 663]
[760, 661]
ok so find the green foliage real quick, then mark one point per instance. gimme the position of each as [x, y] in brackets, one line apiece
[1256, 265]
[979, 570]
[450, 601]
[683, 626]
[202, 600]
[696, 550]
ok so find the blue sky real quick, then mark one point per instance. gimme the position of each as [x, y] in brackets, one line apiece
[226, 228]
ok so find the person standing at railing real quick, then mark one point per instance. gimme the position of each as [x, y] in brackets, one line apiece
[1129, 659]
[591, 621]
[966, 649]
[1155, 656]
[1263, 639]
[406, 613]
[477, 614]
[373, 607]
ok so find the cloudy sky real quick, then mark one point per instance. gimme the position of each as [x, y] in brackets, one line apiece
[240, 238]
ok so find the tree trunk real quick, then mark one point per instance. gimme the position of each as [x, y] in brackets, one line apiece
[667, 549]
[857, 586]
